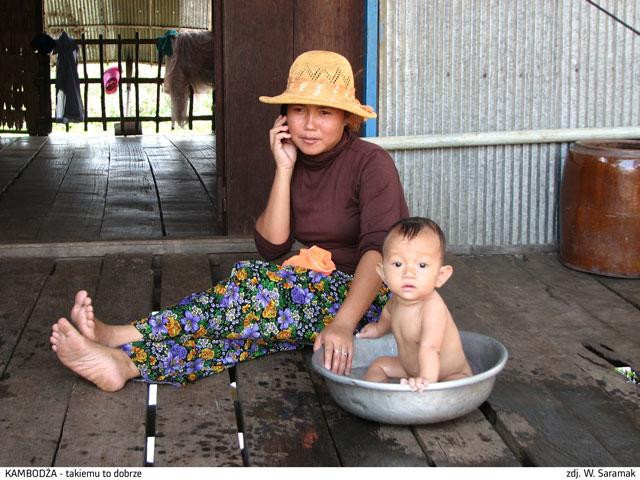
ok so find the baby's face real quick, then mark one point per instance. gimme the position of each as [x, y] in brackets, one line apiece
[411, 268]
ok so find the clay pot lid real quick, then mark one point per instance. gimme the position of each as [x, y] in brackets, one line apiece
[611, 148]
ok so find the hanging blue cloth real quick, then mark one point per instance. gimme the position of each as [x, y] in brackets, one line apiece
[163, 44]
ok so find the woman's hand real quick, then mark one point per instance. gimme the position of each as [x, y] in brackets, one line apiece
[337, 339]
[284, 151]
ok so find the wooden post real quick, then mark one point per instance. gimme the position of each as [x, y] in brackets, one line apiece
[159, 81]
[190, 107]
[86, 84]
[102, 102]
[257, 52]
[120, 84]
[137, 53]
[218, 106]
[39, 120]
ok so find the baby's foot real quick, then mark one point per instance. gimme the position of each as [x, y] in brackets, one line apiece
[109, 368]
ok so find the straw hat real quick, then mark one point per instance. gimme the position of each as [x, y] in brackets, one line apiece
[322, 78]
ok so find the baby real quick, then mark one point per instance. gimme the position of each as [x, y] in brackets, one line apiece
[429, 347]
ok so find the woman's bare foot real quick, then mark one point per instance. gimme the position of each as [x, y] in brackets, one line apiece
[109, 368]
[90, 327]
[83, 318]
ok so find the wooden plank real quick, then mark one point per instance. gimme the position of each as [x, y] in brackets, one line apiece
[362, 443]
[6, 141]
[189, 221]
[610, 319]
[89, 168]
[21, 282]
[195, 425]
[29, 143]
[469, 441]
[24, 206]
[187, 208]
[281, 414]
[607, 324]
[130, 220]
[131, 209]
[15, 156]
[108, 429]
[156, 247]
[73, 216]
[168, 162]
[76, 213]
[496, 296]
[629, 289]
[200, 152]
[36, 386]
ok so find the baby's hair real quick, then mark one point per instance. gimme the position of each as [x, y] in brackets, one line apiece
[411, 227]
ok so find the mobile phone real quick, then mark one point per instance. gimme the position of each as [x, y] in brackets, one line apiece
[283, 112]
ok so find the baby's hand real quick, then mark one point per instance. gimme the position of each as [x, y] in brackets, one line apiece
[417, 384]
[370, 330]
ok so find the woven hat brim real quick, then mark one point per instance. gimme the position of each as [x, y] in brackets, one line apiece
[286, 98]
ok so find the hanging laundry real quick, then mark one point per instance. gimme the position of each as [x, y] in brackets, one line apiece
[110, 80]
[68, 101]
[190, 65]
[164, 44]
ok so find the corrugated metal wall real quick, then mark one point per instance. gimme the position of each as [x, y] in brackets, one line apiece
[452, 66]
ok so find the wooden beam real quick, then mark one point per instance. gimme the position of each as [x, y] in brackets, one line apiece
[219, 244]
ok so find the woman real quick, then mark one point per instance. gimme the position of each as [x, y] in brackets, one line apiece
[330, 189]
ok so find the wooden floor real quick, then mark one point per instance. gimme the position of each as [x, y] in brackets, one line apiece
[558, 401]
[73, 188]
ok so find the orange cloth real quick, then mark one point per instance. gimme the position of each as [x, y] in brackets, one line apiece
[314, 258]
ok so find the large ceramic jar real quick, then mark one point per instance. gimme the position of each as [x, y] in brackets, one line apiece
[600, 208]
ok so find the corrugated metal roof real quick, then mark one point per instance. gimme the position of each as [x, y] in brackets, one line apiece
[151, 18]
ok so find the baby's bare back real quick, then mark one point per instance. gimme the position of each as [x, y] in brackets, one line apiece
[408, 324]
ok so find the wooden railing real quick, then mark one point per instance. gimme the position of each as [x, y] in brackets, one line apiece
[135, 80]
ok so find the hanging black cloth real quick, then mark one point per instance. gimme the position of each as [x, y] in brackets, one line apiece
[68, 100]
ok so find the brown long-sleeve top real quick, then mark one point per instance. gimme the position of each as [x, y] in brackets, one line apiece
[343, 200]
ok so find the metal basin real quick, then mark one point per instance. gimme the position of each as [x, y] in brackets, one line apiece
[397, 404]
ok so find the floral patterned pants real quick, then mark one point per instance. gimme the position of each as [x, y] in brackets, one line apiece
[261, 308]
